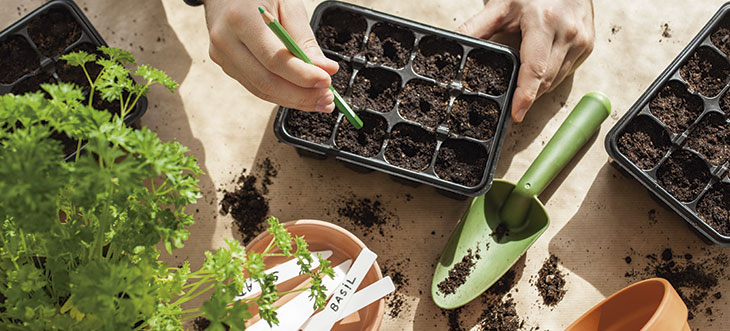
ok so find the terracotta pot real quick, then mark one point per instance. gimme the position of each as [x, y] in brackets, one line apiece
[344, 245]
[649, 305]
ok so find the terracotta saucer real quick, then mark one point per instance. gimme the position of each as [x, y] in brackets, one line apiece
[344, 245]
[649, 305]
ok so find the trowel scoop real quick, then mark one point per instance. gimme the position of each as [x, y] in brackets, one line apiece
[501, 225]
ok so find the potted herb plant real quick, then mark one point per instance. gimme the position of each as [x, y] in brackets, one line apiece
[78, 240]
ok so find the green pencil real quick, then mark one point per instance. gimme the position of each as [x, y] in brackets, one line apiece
[292, 46]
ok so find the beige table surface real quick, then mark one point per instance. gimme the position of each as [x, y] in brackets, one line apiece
[597, 214]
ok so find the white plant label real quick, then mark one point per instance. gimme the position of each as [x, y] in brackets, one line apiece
[295, 312]
[362, 298]
[343, 293]
[282, 272]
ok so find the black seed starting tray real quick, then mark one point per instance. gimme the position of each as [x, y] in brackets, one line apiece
[435, 104]
[29, 56]
[675, 139]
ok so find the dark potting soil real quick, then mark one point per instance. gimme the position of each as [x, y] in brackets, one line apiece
[410, 147]
[74, 74]
[365, 141]
[424, 102]
[644, 142]
[389, 45]
[459, 272]
[33, 83]
[247, 205]
[314, 127]
[487, 72]
[376, 89]
[706, 72]
[550, 282]
[711, 138]
[341, 31]
[438, 58]
[683, 175]
[396, 302]
[500, 315]
[341, 78]
[461, 161]
[111, 106]
[694, 277]
[53, 31]
[368, 215]
[498, 310]
[714, 208]
[474, 116]
[201, 323]
[17, 58]
[69, 145]
[721, 38]
[676, 107]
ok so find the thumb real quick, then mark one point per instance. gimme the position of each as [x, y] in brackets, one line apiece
[296, 23]
[491, 19]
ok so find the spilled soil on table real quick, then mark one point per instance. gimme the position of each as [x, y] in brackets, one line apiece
[247, 203]
[550, 282]
[395, 303]
[696, 278]
[368, 216]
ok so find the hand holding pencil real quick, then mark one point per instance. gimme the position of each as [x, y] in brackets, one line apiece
[249, 52]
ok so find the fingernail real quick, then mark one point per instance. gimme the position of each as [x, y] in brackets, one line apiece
[325, 108]
[520, 115]
[321, 84]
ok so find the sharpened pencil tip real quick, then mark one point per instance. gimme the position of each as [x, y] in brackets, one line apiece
[261, 10]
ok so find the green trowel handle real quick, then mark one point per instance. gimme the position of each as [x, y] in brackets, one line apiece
[580, 125]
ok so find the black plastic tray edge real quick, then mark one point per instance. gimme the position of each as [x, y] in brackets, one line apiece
[403, 173]
[612, 149]
[141, 107]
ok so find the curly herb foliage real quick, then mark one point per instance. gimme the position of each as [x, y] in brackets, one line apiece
[78, 239]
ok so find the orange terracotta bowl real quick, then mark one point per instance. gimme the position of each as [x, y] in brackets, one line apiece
[321, 235]
[649, 305]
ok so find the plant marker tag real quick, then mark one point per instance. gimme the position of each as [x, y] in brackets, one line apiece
[362, 298]
[283, 272]
[344, 292]
[295, 312]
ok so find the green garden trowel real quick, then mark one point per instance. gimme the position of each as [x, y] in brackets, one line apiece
[502, 224]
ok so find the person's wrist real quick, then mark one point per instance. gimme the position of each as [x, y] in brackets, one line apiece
[193, 2]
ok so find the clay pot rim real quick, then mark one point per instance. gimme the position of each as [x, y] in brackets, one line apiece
[668, 301]
[342, 231]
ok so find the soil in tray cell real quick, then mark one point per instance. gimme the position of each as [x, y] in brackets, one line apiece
[644, 142]
[375, 89]
[676, 107]
[487, 72]
[438, 58]
[53, 31]
[410, 147]
[706, 72]
[314, 127]
[714, 208]
[461, 161]
[389, 45]
[75, 74]
[424, 102]
[67, 144]
[684, 175]
[721, 38]
[725, 102]
[366, 141]
[711, 138]
[17, 58]
[341, 31]
[474, 116]
[341, 78]
[33, 83]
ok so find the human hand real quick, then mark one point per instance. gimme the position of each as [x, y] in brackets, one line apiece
[247, 50]
[557, 36]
